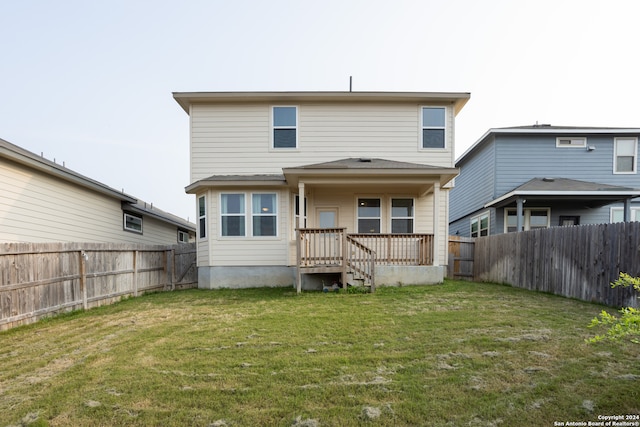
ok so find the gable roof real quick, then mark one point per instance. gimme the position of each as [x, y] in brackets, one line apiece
[27, 158]
[544, 129]
[592, 194]
[186, 99]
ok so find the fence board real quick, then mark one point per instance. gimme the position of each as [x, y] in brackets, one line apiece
[39, 279]
[576, 262]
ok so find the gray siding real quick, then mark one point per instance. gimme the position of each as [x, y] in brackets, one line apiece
[505, 161]
[475, 185]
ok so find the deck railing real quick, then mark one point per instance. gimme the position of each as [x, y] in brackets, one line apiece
[399, 249]
[326, 247]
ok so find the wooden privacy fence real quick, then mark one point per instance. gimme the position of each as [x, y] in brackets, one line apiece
[576, 262]
[461, 253]
[37, 279]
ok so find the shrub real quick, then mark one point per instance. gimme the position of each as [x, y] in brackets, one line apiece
[625, 326]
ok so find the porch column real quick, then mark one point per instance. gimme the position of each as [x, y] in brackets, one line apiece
[627, 210]
[301, 223]
[436, 224]
[520, 214]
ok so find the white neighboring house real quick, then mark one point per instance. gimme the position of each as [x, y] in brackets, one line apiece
[42, 201]
[369, 171]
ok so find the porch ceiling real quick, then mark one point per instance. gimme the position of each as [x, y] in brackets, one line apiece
[555, 190]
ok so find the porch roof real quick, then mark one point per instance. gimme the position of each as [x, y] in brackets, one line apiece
[369, 170]
[591, 194]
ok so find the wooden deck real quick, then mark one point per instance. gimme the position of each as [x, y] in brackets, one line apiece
[332, 250]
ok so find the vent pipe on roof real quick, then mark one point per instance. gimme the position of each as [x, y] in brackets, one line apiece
[350, 83]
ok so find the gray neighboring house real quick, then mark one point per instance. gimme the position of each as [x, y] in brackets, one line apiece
[42, 201]
[539, 176]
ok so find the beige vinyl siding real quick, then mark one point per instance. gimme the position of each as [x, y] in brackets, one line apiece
[254, 251]
[35, 207]
[228, 140]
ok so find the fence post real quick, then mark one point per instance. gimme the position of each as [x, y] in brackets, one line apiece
[82, 257]
[135, 273]
[173, 269]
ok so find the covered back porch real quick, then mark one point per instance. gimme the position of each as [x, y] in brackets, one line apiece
[355, 256]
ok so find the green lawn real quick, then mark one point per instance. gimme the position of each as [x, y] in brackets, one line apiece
[452, 354]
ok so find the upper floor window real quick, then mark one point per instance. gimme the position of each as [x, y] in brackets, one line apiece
[402, 215]
[571, 141]
[369, 215]
[433, 122]
[202, 217]
[133, 223]
[624, 155]
[285, 127]
[480, 225]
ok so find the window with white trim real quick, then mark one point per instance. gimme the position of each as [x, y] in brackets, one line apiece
[232, 214]
[433, 123]
[533, 218]
[480, 225]
[617, 215]
[625, 155]
[571, 141]
[284, 127]
[402, 218]
[202, 217]
[369, 215]
[264, 214]
[133, 223]
[183, 236]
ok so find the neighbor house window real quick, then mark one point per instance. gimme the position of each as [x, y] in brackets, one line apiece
[624, 158]
[183, 236]
[480, 225]
[433, 127]
[264, 214]
[571, 141]
[285, 127]
[617, 214]
[402, 215]
[533, 218]
[133, 223]
[232, 211]
[369, 214]
[202, 217]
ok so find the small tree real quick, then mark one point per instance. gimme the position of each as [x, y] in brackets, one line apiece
[625, 326]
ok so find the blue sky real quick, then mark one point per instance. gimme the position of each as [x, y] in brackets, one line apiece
[90, 83]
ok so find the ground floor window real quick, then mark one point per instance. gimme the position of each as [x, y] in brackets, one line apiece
[533, 218]
[202, 217]
[233, 214]
[402, 215]
[480, 225]
[132, 223]
[369, 214]
[617, 214]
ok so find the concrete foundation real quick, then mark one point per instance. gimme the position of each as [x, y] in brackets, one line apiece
[400, 275]
[282, 276]
[246, 277]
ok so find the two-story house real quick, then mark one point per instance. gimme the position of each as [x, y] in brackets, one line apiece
[311, 187]
[538, 176]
